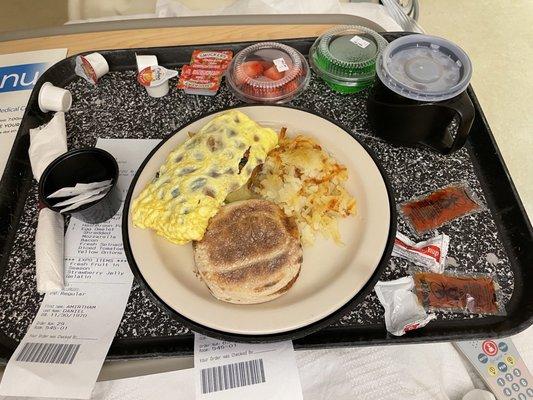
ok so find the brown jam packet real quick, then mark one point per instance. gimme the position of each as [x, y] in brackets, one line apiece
[431, 211]
[455, 292]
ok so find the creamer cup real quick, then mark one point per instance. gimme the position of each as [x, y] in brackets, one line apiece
[155, 80]
[53, 98]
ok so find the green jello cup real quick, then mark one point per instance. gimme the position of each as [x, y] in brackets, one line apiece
[344, 57]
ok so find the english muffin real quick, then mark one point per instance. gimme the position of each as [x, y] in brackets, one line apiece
[250, 253]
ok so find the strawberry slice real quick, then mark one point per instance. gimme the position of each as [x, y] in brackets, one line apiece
[253, 68]
[273, 73]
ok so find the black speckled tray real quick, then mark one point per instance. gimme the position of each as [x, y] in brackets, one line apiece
[497, 241]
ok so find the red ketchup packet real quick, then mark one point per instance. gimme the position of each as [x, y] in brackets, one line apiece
[431, 211]
[204, 74]
[430, 253]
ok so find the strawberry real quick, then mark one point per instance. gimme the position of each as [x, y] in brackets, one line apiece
[273, 73]
[272, 92]
[253, 68]
[266, 64]
[290, 87]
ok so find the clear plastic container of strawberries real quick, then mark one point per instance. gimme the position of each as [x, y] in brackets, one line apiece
[268, 72]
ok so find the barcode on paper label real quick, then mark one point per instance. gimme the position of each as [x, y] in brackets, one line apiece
[280, 64]
[358, 40]
[230, 376]
[48, 353]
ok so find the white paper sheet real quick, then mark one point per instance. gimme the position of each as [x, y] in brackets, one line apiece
[18, 74]
[65, 346]
[228, 370]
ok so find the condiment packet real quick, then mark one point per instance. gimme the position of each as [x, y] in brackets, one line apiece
[207, 86]
[458, 292]
[82, 202]
[204, 74]
[403, 312]
[431, 211]
[83, 196]
[211, 57]
[430, 253]
[78, 189]
[201, 71]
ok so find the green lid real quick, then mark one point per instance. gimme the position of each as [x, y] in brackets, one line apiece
[345, 57]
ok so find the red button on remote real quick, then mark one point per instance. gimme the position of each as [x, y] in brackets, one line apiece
[489, 348]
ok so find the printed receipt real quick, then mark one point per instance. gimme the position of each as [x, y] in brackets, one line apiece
[65, 346]
[227, 370]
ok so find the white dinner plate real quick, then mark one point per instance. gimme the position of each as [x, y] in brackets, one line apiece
[331, 275]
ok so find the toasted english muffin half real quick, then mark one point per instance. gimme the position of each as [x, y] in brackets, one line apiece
[250, 253]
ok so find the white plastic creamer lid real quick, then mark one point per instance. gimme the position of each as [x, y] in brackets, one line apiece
[425, 68]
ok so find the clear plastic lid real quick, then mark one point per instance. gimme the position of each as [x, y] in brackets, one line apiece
[268, 72]
[426, 68]
[347, 55]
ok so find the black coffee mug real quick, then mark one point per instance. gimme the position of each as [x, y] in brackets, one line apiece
[409, 122]
[420, 89]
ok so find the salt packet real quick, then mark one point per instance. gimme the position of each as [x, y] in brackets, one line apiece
[430, 253]
[403, 312]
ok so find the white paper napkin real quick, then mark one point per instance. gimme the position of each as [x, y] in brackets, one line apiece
[47, 142]
[49, 249]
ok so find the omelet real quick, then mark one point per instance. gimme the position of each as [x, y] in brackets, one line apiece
[198, 175]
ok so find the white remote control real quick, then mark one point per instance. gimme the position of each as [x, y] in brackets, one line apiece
[500, 366]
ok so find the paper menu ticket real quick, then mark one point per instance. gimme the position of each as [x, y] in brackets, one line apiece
[227, 370]
[66, 344]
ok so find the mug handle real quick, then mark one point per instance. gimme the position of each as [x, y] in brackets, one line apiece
[463, 107]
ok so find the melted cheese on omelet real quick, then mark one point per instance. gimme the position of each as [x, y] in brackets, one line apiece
[198, 175]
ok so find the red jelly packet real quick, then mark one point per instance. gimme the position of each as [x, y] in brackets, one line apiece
[215, 57]
[204, 74]
[431, 211]
[193, 70]
[199, 82]
[458, 292]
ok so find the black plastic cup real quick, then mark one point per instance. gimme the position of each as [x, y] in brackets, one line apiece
[82, 166]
